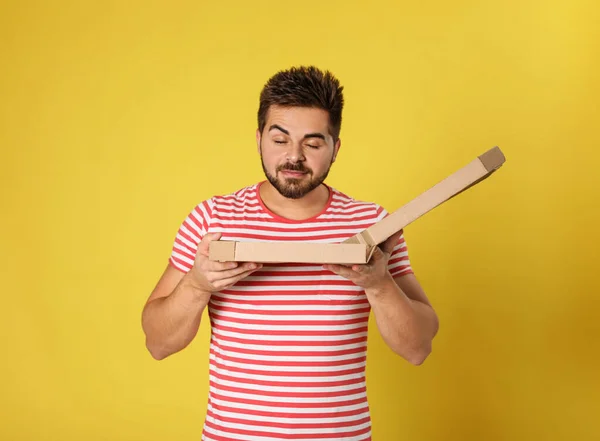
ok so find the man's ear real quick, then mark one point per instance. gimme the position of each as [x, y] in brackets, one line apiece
[258, 141]
[336, 148]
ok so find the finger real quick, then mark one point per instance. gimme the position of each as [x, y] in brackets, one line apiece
[391, 242]
[215, 266]
[205, 242]
[229, 273]
[361, 268]
[225, 283]
[378, 254]
[341, 270]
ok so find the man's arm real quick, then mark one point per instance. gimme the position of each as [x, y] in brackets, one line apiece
[172, 313]
[171, 316]
[404, 316]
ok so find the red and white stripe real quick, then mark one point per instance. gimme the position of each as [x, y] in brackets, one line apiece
[288, 343]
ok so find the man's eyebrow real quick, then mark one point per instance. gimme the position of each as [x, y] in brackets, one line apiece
[308, 135]
[315, 135]
[275, 126]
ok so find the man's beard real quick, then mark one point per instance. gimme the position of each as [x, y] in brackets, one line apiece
[292, 188]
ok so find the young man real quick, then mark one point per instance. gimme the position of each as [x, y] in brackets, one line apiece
[288, 342]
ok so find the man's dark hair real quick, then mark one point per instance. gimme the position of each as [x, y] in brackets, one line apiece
[304, 86]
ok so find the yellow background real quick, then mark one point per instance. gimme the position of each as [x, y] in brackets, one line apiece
[118, 117]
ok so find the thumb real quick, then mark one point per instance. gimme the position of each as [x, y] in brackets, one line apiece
[378, 254]
[391, 242]
[205, 242]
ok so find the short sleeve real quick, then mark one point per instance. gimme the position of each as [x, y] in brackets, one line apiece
[399, 263]
[190, 233]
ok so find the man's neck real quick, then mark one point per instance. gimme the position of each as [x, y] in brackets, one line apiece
[294, 209]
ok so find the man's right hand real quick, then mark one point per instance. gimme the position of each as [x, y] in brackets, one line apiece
[210, 276]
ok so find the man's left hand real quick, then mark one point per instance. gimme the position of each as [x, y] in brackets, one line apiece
[373, 275]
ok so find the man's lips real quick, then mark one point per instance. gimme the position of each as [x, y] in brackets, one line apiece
[294, 172]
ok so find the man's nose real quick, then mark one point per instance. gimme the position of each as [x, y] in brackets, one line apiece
[296, 153]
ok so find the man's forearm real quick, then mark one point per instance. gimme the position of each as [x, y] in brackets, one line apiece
[407, 326]
[171, 323]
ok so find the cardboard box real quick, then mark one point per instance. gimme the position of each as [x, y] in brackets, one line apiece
[359, 248]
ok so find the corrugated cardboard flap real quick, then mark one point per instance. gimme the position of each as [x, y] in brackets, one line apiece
[359, 248]
[291, 252]
[365, 238]
[466, 177]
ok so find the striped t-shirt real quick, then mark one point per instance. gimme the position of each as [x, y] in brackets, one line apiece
[288, 343]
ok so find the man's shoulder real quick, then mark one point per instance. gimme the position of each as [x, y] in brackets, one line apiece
[344, 201]
[237, 198]
[242, 195]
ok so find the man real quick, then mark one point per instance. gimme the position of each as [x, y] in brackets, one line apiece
[288, 342]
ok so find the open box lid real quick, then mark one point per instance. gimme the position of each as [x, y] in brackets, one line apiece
[466, 177]
[359, 248]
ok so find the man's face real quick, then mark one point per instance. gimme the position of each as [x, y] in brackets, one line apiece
[297, 149]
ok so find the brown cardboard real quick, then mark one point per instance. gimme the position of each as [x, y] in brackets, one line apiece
[359, 248]
[301, 252]
[466, 177]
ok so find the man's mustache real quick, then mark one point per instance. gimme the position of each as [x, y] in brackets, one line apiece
[294, 167]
